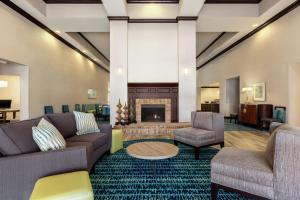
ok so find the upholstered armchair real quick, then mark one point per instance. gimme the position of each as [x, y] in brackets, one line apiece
[207, 129]
[270, 174]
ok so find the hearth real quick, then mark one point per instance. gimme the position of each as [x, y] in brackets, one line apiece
[153, 112]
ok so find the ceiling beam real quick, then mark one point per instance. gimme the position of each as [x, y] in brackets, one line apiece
[92, 45]
[47, 29]
[115, 7]
[190, 7]
[212, 43]
[253, 32]
[73, 1]
[232, 1]
[153, 1]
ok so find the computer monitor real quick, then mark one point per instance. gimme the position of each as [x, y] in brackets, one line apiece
[5, 103]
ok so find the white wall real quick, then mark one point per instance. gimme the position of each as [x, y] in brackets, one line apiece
[57, 74]
[152, 52]
[265, 57]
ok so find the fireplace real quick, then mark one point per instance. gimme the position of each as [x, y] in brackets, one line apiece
[153, 113]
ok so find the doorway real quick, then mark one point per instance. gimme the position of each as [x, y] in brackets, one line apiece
[232, 96]
[15, 71]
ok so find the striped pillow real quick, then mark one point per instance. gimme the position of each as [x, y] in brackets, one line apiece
[85, 123]
[47, 137]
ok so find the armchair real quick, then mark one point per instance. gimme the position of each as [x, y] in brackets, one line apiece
[207, 129]
[273, 174]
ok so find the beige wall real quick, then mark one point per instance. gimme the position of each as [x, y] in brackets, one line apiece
[265, 57]
[57, 74]
[11, 92]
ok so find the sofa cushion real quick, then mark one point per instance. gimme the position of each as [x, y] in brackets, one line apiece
[248, 166]
[96, 139]
[65, 123]
[47, 137]
[89, 150]
[7, 145]
[20, 134]
[203, 120]
[194, 136]
[85, 123]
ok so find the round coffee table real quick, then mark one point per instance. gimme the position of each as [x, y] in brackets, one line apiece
[152, 150]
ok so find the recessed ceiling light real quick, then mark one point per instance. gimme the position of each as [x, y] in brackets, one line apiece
[57, 31]
[84, 51]
[95, 59]
[254, 25]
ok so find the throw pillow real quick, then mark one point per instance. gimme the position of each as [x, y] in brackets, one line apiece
[85, 123]
[47, 137]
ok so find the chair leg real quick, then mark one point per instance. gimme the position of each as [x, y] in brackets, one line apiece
[175, 143]
[222, 144]
[197, 153]
[214, 191]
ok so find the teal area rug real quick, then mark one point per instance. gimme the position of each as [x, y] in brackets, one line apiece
[120, 176]
[239, 127]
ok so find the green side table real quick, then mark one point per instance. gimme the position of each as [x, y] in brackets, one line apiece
[117, 140]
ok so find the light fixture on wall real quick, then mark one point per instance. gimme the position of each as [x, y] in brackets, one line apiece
[185, 71]
[3, 84]
[248, 92]
[119, 71]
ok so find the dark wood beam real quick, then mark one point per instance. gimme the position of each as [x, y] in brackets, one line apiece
[211, 44]
[92, 45]
[256, 30]
[152, 21]
[73, 1]
[153, 1]
[47, 29]
[232, 1]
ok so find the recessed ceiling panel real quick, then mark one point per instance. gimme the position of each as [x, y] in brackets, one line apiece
[233, 1]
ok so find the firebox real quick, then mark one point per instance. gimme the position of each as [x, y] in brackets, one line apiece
[153, 113]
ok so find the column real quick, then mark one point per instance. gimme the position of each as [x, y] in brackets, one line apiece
[187, 69]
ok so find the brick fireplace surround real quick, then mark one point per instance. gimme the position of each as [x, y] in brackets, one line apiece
[140, 102]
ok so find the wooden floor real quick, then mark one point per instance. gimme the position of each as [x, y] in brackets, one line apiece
[240, 139]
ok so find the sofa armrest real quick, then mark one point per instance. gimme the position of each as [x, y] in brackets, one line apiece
[287, 165]
[18, 174]
[107, 128]
[273, 126]
[218, 126]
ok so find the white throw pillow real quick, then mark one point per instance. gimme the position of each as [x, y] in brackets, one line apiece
[85, 123]
[47, 137]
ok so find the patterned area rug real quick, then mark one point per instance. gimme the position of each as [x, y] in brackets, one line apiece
[120, 176]
[239, 127]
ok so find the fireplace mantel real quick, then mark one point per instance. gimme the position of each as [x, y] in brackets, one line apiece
[140, 102]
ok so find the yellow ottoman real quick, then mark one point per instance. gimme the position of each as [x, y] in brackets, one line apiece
[116, 141]
[75, 185]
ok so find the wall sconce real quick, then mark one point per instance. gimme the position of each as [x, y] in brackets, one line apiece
[3, 84]
[247, 91]
[185, 71]
[119, 71]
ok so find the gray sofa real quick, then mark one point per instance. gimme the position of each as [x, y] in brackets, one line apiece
[22, 163]
[270, 174]
[207, 129]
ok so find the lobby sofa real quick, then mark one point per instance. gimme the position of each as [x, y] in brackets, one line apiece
[22, 163]
[270, 174]
[207, 129]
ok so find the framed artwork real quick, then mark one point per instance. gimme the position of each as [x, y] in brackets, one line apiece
[259, 92]
[92, 94]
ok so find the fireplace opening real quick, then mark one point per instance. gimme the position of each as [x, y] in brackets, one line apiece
[153, 113]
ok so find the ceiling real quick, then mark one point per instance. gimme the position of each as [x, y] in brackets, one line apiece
[84, 23]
